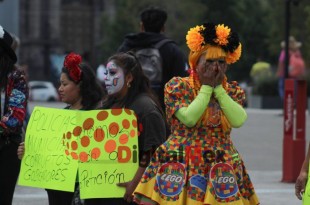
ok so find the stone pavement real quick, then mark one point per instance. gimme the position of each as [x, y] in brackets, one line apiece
[259, 142]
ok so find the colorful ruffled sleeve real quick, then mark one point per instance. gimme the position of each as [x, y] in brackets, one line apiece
[16, 102]
[177, 95]
[236, 93]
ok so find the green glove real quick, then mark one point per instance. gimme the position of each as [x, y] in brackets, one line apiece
[233, 111]
[191, 114]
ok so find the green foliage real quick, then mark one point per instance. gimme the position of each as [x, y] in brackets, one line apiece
[126, 19]
[306, 37]
[250, 24]
[259, 23]
[299, 26]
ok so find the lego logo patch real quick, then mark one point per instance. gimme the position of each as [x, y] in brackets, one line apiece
[170, 178]
[223, 180]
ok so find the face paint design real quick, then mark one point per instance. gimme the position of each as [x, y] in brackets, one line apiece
[102, 72]
[115, 78]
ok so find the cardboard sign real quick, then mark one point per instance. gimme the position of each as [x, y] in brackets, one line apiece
[100, 145]
[306, 195]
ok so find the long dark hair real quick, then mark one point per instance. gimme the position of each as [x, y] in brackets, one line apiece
[140, 83]
[6, 66]
[90, 88]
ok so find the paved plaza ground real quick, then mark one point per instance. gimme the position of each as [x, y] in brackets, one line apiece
[259, 142]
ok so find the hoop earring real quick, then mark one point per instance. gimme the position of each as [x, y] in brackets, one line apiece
[128, 84]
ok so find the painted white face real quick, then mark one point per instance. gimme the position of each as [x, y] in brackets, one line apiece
[115, 78]
[102, 72]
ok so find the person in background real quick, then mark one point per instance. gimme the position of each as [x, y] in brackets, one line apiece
[199, 164]
[16, 43]
[13, 87]
[128, 87]
[80, 90]
[152, 27]
[296, 69]
[260, 70]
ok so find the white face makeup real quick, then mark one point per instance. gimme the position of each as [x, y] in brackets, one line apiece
[102, 72]
[115, 78]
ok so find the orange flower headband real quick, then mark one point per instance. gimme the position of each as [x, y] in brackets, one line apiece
[211, 35]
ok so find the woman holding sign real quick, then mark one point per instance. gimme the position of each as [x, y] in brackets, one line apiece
[80, 89]
[128, 87]
[13, 105]
[302, 187]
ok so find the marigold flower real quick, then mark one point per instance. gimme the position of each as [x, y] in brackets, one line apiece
[222, 33]
[234, 56]
[194, 39]
[200, 37]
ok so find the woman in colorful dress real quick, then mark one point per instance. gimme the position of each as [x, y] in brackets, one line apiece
[199, 164]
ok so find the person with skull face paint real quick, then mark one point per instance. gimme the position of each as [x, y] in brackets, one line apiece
[198, 164]
[114, 80]
[128, 87]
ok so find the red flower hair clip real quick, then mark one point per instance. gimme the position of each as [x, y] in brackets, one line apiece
[71, 63]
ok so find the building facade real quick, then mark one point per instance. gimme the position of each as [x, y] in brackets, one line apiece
[51, 28]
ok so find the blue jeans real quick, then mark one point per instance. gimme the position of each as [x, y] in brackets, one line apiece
[281, 88]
